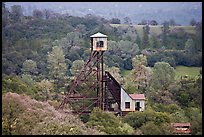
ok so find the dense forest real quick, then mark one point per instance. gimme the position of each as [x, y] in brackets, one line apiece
[41, 54]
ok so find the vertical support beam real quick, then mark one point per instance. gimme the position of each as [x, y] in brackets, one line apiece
[105, 94]
[102, 82]
[98, 80]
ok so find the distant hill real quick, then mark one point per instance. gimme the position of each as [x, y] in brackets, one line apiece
[181, 12]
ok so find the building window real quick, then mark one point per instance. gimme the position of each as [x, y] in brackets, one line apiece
[99, 44]
[127, 105]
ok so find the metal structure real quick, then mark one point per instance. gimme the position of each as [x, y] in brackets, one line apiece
[91, 77]
[94, 88]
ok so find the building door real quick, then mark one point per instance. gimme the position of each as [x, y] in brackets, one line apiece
[137, 106]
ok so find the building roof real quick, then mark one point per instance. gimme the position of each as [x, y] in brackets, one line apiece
[99, 35]
[137, 96]
[181, 124]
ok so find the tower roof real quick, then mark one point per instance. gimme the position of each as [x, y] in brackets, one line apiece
[98, 35]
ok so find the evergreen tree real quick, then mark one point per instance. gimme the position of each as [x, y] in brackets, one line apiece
[57, 66]
[141, 73]
[138, 41]
[155, 44]
[164, 35]
[190, 47]
[145, 39]
[16, 13]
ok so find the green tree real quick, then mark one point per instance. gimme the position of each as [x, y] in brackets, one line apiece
[137, 119]
[71, 45]
[190, 47]
[127, 48]
[5, 15]
[29, 67]
[76, 67]
[10, 113]
[164, 35]
[154, 42]
[150, 128]
[130, 34]
[16, 13]
[195, 117]
[141, 73]
[108, 123]
[163, 75]
[198, 36]
[57, 66]
[46, 86]
[27, 78]
[115, 72]
[115, 21]
[145, 38]
[37, 14]
[138, 41]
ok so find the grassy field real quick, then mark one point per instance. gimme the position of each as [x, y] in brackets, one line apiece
[157, 29]
[180, 71]
[190, 71]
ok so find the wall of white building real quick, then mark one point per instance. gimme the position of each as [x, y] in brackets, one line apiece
[126, 98]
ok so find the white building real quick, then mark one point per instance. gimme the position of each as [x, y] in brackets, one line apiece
[132, 102]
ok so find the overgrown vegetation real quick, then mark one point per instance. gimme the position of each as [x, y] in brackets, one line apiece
[25, 116]
[42, 53]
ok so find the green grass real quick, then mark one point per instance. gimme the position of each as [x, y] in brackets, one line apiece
[157, 29]
[125, 73]
[190, 71]
[180, 71]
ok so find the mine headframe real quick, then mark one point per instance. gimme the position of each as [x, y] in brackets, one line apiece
[87, 89]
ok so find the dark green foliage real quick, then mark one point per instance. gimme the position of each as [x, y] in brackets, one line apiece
[10, 113]
[150, 128]
[12, 83]
[32, 38]
[145, 38]
[109, 123]
[171, 108]
[128, 64]
[164, 35]
[188, 92]
[138, 118]
[195, 115]
[175, 58]
[16, 13]
[115, 21]
[177, 39]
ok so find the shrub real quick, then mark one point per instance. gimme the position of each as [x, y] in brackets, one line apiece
[137, 119]
[108, 123]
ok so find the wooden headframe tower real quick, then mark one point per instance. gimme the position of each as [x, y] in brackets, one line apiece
[91, 77]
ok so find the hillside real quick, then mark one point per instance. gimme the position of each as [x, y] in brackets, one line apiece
[43, 52]
[25, 116]
[156, 29]
[181, 12]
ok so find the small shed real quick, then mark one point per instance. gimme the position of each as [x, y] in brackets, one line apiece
[139, 101]
[132, 102]
[181, 128]
[99, 42]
